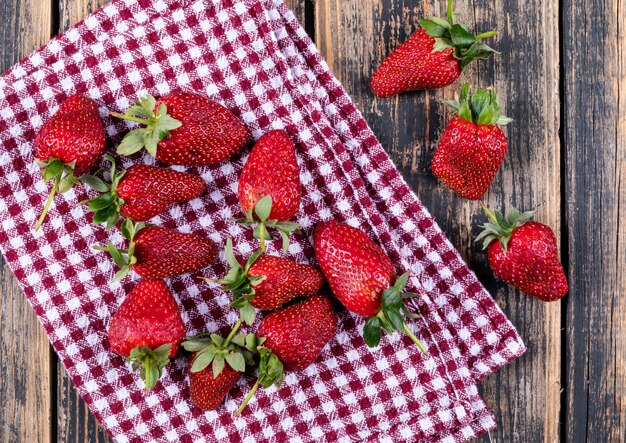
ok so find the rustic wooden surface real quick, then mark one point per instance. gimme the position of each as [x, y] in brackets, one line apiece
[561, 75]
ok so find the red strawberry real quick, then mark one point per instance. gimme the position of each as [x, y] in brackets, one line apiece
[524, 254]
[298, 333]
[362, 277]
[267, 282]
[148, 329]
[228, 359]
[140, 193]
[156, 252]
[184, 129]
[292, 338]
[269, 187]
[207, 391]
[69, 144]
[473, 145]
[433, 57]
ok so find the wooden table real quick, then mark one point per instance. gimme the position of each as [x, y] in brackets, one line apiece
[562, 76]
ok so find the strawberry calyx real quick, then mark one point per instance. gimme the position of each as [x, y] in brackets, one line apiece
[124, 258]
[63, 176]
[480, 108]
[237, 350]
[157, 126]
[259, 218]
[502, 227]
[270, 372]
[106, 207]
[389, 317]
[449, 34]
[240, 283]
[150, 362]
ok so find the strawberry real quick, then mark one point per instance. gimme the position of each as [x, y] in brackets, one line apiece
[68, 145]
[269, 187]
[433, 57]
[147, 329]
[207, 390]
[183, 129]
[140, 193]
[228, 359]
[524, 254]
[156, 252]
[292, 338]
[267, 282]
[473, 145]
[362, 277]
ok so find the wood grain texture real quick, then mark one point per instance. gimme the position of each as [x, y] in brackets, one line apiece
[595, 184]
[355, 36]
[25, 353]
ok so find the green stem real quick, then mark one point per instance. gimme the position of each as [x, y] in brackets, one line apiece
[46, 207]
[486, 35]
[232, 334]
[130, 118]
[248, 397]
[450, 12]
[415, 340]
[489, 213]
[262, 237]
[147, 367]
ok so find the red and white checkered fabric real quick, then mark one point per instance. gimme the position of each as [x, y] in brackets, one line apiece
[253, 57]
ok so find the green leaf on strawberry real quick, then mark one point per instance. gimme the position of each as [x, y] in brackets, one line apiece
[258, 217]
[106, 207]
[63, 176]
[390, 315]
[500, 228]
[449, 34]
[157, 126]
[240, 283]
[150, 362]
[481, 107]
[214, 350]
[123, 258]
[271, 372]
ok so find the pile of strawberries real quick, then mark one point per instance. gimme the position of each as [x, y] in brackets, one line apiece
[188, 129]
[147, 329]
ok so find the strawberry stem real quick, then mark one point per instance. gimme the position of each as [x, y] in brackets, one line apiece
[450, 12]
[248, 397]
[46, 207]
[232, 334]
[262, 238]
[485, 35]
[415, 340]
[489, 213]
[129, 118]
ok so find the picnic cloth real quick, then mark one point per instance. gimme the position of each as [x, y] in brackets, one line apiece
[253, 57]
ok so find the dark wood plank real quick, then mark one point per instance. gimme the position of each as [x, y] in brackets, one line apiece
[25, 352]
[355, 36]
[595, 177]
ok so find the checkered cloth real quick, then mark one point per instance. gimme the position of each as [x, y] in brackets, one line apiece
[255, 58]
